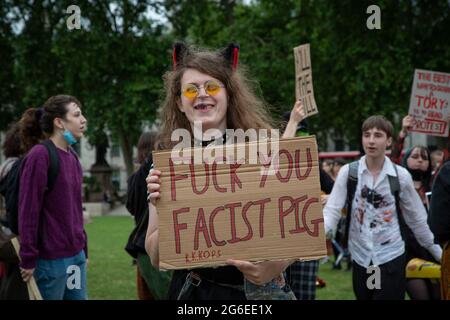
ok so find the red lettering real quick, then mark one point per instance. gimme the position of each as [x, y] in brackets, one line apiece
[289, 172]
[265, 161]
[201, 226]
[173, 179]
[283, 213]
[214, 175]
[315, 222]
[261, 203]
[193, 183]
[309, 164]
[298, 229]
[231, 206]
[249, 226]
[177, 227]
[211, 227]
[233, 176]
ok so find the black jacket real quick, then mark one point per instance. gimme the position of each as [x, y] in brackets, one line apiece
[439, 217]
[137, 205]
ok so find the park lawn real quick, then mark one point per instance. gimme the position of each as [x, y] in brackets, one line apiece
[338, 283]
[111, 275]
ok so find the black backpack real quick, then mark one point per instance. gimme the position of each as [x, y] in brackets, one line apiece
[9, 186]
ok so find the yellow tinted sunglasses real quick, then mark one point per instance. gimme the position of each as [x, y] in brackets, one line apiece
[191, 90]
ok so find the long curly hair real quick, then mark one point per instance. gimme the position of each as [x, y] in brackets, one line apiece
[245, 110]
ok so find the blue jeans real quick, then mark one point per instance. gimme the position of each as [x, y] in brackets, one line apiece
[62, 279]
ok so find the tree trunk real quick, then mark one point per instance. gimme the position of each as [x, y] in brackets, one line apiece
[127, 150]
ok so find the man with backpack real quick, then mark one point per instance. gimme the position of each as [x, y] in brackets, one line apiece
[379, 197]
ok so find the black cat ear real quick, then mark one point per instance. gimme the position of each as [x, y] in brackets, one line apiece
[179, 52]
[231, 55]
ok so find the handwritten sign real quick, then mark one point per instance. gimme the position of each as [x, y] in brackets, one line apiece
[303, 79]
[209, 213]
[429, 104]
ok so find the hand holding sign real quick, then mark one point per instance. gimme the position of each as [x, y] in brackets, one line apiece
[153, 185]
[259, 273]
[406, 125]
[298, 112]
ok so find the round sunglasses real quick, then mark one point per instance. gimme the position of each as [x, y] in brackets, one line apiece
[192, 90]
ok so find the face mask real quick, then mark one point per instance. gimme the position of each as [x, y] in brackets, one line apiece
[68, 136]
[417, 175]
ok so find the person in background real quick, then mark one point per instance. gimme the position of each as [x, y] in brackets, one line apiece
[338, 163]
[327, 166]
[12, 286]
[439, 219]
[417, 161]
[52, 237]
[302, 275]
[151, 284]
[437, 159]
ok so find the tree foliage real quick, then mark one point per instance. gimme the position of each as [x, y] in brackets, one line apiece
[114, 64]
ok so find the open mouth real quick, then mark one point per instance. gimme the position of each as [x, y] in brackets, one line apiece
[203, 106]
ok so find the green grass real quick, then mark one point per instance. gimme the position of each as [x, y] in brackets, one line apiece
[338, 283]
[111, 275]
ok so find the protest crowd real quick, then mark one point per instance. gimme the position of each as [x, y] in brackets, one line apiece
[382, 217]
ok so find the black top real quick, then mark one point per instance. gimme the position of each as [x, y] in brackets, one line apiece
[326, 183]
[137, 205]
[439, 216]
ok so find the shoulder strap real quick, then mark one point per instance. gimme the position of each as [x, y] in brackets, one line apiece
[352, 183]
[394, 184]
[53, 169]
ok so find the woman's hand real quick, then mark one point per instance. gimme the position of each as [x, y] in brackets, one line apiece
[260, 273]
[406, 125]
[297, 113]
[153, 186]
[26, 274]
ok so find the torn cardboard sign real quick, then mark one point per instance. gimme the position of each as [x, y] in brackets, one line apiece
[303, 79]
[209, 213]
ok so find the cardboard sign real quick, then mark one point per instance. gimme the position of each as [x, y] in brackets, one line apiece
[209, 213]
[429, 105]
[303, 79]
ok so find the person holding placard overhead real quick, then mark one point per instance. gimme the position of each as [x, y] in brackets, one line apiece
[207, 87]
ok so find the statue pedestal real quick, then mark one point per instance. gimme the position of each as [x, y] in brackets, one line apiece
[103, 190]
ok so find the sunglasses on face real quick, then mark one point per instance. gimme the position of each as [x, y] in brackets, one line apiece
[191, 90]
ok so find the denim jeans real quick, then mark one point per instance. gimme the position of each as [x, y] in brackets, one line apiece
[62, 279]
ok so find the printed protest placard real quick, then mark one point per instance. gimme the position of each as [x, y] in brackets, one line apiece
[209, 213]
[303, 79]
[429, 104]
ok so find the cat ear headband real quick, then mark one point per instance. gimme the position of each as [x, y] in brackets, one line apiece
[229, 53]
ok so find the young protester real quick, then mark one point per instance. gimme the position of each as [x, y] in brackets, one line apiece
[52, 237]
[151, 283]
[379, 197]
[207, 87]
